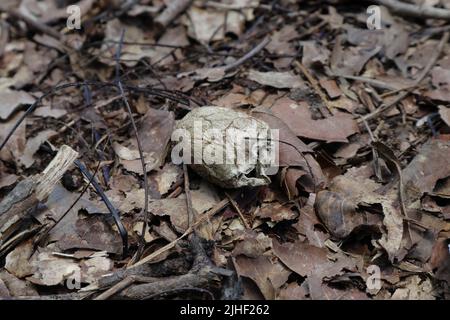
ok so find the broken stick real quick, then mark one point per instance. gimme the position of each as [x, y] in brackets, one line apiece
[26, 195]
[172, 11]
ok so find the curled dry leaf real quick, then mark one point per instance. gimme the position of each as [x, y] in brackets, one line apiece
[440, 260]
[295, 156]
[340, 215]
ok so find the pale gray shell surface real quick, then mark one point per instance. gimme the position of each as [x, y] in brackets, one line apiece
[226, 175]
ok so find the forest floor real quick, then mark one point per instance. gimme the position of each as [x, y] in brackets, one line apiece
[360, 95]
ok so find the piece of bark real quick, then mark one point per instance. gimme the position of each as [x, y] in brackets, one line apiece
[25, 196]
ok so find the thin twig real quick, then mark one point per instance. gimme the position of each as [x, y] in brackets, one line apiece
[416, 11]
[187, 191]
[157, 92]
[138, 141]
[36, 25]
[248, 55]
[314, 84]
[236, 207]
[208, 215]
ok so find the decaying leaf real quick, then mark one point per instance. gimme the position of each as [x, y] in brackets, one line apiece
[276, 79]
[12, 100]
[154, 132]
[203, 199]
[341, 215]
[306, 260]
[268, 275]
[299, 119]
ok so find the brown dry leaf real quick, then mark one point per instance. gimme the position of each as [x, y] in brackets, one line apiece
[17, 287]
[16, 145]
[314, 54]
[306, 225]
[253, 244]
[341, 215]
[279, 43]
[444, 112]
[278, 80]
[363, 191]
[268, 275]
[155, 131]
[293, 153]
[298, 117]
[17, 261]
[172, 37]
[6, 179]
[203, 199]
[306, 259]
[331, 88]
[90, 233]
[293, 291]
[33, 145]
[440, 260]
[429, 166]
[4, 292]
[49, 112]
[276, 212]
[135, 52]
[11, 100]
[75, 231]
[234, 100]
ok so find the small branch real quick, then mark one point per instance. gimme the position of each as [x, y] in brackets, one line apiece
[236, 207]
[416, 11]
[29, 192]
[247, 56]
[172, 11]
[314, 84]
[138, 141]
[206, 216]
[36, 25]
